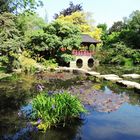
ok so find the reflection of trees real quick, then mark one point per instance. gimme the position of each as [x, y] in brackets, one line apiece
[10, 124]
[134, 96]
[69, 132]
[15, 90]
[119, 70]
[28, 132]
[56, 84]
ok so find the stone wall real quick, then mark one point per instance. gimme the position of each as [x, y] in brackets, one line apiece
[84, 62]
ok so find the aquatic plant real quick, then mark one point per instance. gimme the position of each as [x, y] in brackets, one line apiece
[39, 87]
[55, 109]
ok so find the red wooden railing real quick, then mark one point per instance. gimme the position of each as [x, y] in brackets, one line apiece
[82, 53]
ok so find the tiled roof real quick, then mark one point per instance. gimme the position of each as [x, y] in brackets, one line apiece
[87, 39]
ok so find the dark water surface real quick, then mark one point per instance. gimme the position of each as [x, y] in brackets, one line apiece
[123, 124]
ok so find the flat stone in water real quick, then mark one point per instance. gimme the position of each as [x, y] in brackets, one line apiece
[134, 76]
[93, 73]
[130, 84]
[111, 77]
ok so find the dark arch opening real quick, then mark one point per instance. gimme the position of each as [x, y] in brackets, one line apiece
[79, 63]
[90, 62]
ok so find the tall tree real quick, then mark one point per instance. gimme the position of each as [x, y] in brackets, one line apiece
[54, 37]
[10, 39]
[103, 27]
[80, 19]
[5, 7]
[104, 33]
[68, 11]
[28, 22]
[116, 27]
[16, 6]
[131, 35]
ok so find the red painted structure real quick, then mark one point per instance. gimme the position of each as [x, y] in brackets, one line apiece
[86, 41]
[83, 53]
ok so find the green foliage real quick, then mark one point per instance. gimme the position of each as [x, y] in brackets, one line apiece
[28, 22]
[68, 34]
[55, 109]
[116, 27]
[131, 34]
[52, 38]
[67, 57]
[83, 21]
[50, 63]
[113, 38]
[2, 69]
[4, 6]
[14, 6]
[27, 64]
[128, 62]
[103, 27]
[10, 40]
[136, 56]
[120, 54]
[4, 75]
[121, 43]
[92, 47]
[104, 34]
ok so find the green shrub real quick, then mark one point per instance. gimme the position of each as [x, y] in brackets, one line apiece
[67, 57]
[136, 56]
[119, 53]
[55, 109]
[27, 64]
[50, 63]
[128, 62]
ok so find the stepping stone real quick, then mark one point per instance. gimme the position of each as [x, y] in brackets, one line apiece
[93, 73]
[135, 76]
[130, 84]
[111, 77]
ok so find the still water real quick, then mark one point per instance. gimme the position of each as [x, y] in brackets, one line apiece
[122, 124]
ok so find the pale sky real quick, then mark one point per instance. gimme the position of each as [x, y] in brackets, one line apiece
[104, 11]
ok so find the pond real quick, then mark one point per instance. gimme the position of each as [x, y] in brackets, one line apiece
[122, 123]
[119, 70]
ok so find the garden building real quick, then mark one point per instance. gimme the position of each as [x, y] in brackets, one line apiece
[84, 57]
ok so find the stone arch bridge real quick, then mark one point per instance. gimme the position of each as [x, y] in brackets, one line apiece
[83, 60]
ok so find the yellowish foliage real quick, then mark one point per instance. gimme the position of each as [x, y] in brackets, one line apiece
[85, 28]
[96, 33]
[83, 21]
[27, 64]
[77, 18]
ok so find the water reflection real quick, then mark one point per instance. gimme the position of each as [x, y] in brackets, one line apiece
[107, 90]
[118, 125]
[15, 90]
[70, 132]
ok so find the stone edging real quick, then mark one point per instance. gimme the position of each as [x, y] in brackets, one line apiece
[109, 77]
